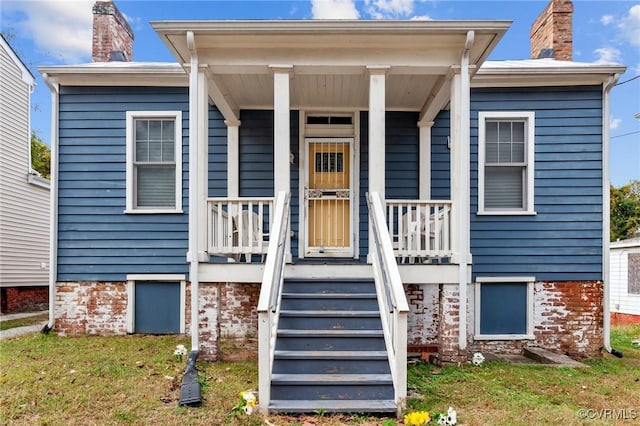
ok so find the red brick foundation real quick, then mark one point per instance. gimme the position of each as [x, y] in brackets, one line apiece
[227, 311]
[20, 299]
[618, 318]
[567, 319]
[91, 308]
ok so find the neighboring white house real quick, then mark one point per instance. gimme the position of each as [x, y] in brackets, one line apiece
[24, 195]
[625, 280]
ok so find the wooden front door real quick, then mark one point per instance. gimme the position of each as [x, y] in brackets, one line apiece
[329, 198]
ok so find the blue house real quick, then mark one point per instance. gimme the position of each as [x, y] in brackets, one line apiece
[340, 192]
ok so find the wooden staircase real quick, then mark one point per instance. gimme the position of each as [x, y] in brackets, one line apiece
[330, 352]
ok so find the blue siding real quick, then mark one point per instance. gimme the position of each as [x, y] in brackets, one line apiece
[256, 160]
[564, 240]
[217, 155]
[440, 157]
[364, 187]
[402, 164]
[96, 240]
[256, 154]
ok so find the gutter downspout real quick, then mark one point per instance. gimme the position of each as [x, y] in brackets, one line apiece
[464, 233]
[193, 257]
[606, 221]
[53, 202]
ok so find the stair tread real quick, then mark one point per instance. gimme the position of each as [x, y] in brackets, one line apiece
[329, 295]
[334, 405]
[331, 354]
[331, 379]
[338, 332]
[328, 313]
[329, 279]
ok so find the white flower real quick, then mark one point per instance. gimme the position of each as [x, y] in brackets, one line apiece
[477, 359]
[450, 419]
[180, 350]
[249, 397]
[248, 409]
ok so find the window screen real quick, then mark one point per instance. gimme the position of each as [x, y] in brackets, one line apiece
[155, 163]
[505, 165]
[633, 265]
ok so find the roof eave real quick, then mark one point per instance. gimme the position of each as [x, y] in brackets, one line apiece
[549, 76]
[129, 74]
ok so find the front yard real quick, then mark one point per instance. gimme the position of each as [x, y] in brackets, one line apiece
[136, 380]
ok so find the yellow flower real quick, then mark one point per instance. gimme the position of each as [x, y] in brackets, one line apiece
[249, 397]
[417, 418]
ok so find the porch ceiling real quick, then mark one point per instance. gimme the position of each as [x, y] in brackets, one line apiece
[329, 58]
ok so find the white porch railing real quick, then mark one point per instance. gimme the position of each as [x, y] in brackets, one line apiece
[419, 229]
[270, 295]
[238, 226]
[391, 298]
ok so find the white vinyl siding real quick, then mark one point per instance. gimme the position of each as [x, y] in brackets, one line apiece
[624, 275]
[154, 162]
[505, 169]
[24, 206]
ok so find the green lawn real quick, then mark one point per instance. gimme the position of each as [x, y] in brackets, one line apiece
[136, 379]
[21, 322]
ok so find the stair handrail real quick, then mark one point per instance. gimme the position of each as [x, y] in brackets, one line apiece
[391, 296]
[270, 295]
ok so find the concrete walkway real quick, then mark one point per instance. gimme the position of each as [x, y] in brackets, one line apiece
[19, 331]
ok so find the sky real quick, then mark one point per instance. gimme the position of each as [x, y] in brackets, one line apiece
[55, 32]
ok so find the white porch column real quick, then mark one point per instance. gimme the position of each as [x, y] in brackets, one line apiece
[460, 180]
[233, 158]
[377, 106]
[281, 127]
[424, 190]
[198, 141]
[202, 141]
[377, 128]
[282, 136]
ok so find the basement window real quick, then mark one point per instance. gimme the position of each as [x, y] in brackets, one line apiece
[504, 308]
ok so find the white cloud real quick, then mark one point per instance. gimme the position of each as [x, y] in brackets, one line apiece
[615, 123]
[389, 9]
[606, 19]
[630, 26]
[61, 29]
[334, 9]
[608, 55]
[421, 18]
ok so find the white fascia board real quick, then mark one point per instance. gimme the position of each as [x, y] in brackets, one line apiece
[27, 77]
[565, 75]
[328, 25]
[122, 73]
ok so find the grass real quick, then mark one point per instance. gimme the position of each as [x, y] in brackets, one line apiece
[21, 322]
[122, 380]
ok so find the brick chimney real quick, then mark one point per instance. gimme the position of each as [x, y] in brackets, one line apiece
[112, 34]
[551, 33]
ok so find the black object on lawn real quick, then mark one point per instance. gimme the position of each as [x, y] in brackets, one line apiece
[190, 392]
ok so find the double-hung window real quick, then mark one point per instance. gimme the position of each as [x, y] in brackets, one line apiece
[154, 162]
[505, 162]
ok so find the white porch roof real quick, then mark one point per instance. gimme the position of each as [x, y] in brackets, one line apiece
[329, 60]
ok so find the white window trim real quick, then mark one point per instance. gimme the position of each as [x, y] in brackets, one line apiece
[497, 280]
[529, 116]
[131, 296]
[132, 115]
